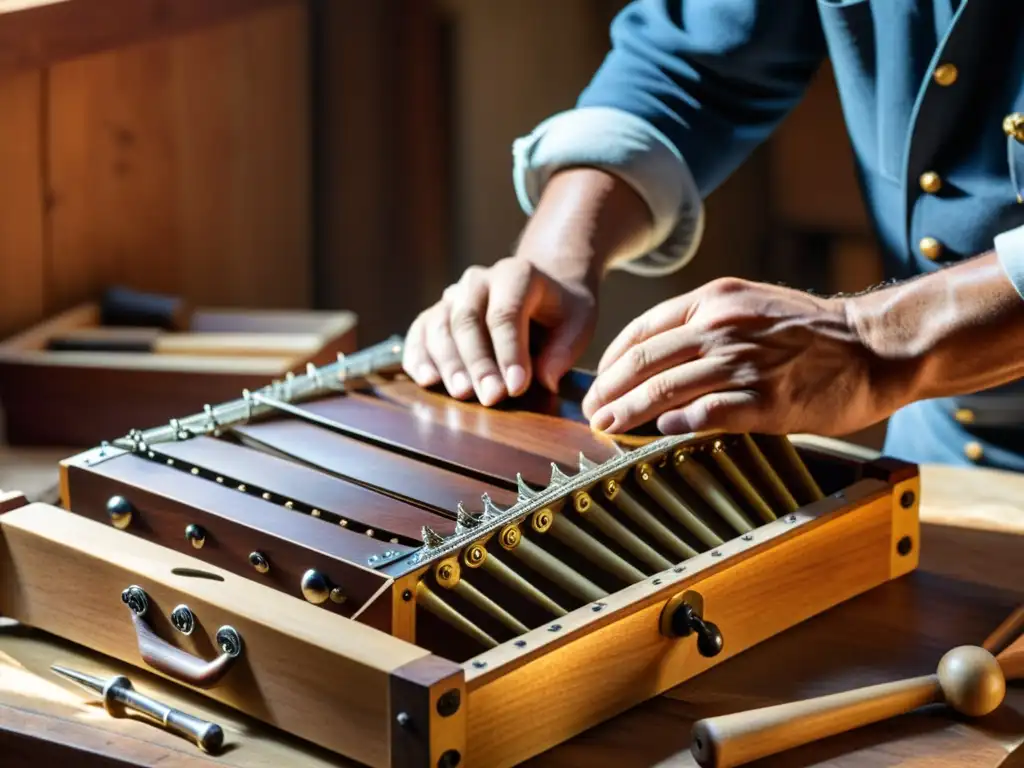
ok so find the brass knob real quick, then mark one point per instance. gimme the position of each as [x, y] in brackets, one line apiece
[945, 74]
[1013, 126]
[338, 595]
[930, 248]
[315, 587]
[196, 535]
[120, 511]
[931, 182]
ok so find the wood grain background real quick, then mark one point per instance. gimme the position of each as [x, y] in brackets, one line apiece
[178, 164]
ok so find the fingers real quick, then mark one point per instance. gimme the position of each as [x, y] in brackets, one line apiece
[729, 411]
[515, 291]
[639, 363]
[469, 301]
[415, 360]
[441, 348]
[658, 319]
[662, 392]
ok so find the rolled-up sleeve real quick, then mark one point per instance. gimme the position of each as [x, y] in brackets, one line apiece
[686, 93]
[635, 151]
[1009, 248]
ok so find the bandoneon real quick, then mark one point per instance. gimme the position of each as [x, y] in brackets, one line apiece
[409, 580]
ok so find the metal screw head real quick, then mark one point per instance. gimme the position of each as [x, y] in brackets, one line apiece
[315, 587]
[338, 595]
[904, 546]
[229, 641]
[119, 510]
[135, 598]
[259, 561]
[907, 499]
[183, 619]
[196, 535]
[449, 759]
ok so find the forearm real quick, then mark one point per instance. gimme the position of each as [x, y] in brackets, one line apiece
[586, 220]
[956, 331]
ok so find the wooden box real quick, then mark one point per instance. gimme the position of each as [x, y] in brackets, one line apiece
[81, 398]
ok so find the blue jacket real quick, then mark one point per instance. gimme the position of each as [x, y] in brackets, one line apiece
[931, 91]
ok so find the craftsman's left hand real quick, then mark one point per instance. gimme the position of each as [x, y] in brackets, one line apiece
[740, 357]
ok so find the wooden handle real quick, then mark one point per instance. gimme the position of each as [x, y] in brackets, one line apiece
[745, 736]
[172, 661]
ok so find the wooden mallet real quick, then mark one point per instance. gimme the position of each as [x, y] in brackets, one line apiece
[971, 679]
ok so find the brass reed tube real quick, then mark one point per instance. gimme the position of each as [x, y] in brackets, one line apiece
[510, 578]
[803, 475]
[629, 540]
[704, 483]
[769, 475]
[629, 506]
[471, 594]
[582, 542]
[558, 572]
[730, 470]
[443, 611]
[669, 500]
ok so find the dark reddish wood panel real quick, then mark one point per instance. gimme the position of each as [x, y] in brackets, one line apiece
[300, 483]
[377, 467]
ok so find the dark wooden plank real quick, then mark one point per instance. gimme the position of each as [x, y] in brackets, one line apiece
[236, 524]
[540, 422]
[374, 466]
[385, 423]
[306, 486]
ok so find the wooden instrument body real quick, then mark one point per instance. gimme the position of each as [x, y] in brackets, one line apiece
[341, 673]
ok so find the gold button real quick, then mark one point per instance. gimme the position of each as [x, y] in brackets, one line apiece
[973, 451]
[931, 182]
[964, 416]
[1013, 125]
[930, 248]
[945, 74]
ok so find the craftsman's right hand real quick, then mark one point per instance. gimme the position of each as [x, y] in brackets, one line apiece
[476, 338]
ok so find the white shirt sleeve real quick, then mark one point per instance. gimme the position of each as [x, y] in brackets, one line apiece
[635, 151]
[1009, 247]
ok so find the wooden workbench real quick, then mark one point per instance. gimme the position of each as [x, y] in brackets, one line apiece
[971, 577]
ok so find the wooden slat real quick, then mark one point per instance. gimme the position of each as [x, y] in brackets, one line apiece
[22, 245]
[36, 33]
[387, 423]
[292, 481]
[182, 166]
[373, 466]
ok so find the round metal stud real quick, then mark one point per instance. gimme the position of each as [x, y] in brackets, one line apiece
[120, 511]
[930, 182]
[964, 416]
[974, 451]
[930, 248]
[945, 74]
[315, 588]
[135, 598]
[229, 641]
[183, 619]
[1013, 126]
[259, 561]
[338, 595]
[196, 535]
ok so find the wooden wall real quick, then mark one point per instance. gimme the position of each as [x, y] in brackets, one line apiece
[180, 165]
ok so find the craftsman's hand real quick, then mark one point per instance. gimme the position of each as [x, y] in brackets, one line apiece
[740, 357]
[476, 338]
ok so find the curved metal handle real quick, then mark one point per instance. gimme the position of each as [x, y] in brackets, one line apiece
[173, 661]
